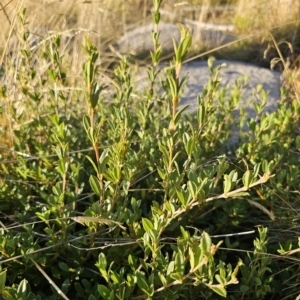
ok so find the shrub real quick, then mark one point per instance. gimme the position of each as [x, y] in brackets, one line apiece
[135, 201]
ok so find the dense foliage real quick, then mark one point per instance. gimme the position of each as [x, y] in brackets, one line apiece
[121, 196]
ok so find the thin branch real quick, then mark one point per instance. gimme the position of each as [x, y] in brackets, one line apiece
[59, 291]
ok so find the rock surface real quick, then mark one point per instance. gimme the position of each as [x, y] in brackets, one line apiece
[199, 74]
[138, 41]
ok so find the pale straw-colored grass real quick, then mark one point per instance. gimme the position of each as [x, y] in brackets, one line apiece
[105, 21]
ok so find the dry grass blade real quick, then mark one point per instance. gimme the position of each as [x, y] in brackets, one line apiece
[262, 208]
[11, 29]
[291, 252]
[59, 291]
[82, 220]
[281, 58]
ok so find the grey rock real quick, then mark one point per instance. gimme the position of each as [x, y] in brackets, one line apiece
[199, 74]
[138, 41]
[211, 38]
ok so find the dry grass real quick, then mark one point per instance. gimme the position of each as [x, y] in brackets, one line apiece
[105, 21]
[291, 81]
[254, 15]
[109, 19]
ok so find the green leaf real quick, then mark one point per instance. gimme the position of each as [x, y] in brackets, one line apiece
[65, 286]
[162, 279]
[2, 280]
[144, 264]
[205, 243]
[178, 115]
[151, 283]
[63, 266]
[244, 289]
[173, 86]
[221, 279]
[92, 297]
[247, 179]
[236, 269]
[86, 123]
[181, 198]
[222, 271]
[131, 280]
[157, 4]
[170, 208]
[192, 258]
[104, 157]
[179, 265]
[186, 138]
[131, 261]
[113, 174]
[298, 141]
[201, 115]
[101, 265]
[186, 43]
[182, 81]
[93, 164]
[153, 234]
[162, 173]
[44, 216]
[227, 183]
[190, 146]
[196, 249]
[171, 267]
[23, 289]
[103, 291]
[62, 167]
[102, 261]
[147, 225]
[257, 281]
[95, 95]
[256, 170]
[112, 295]
[79, 289]
[150, 246]
[192, 187]
[219, 290]
[30, 296]
[142, 282]
[94, 182]
[115, 277]
[156, 17]
[185, 234]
